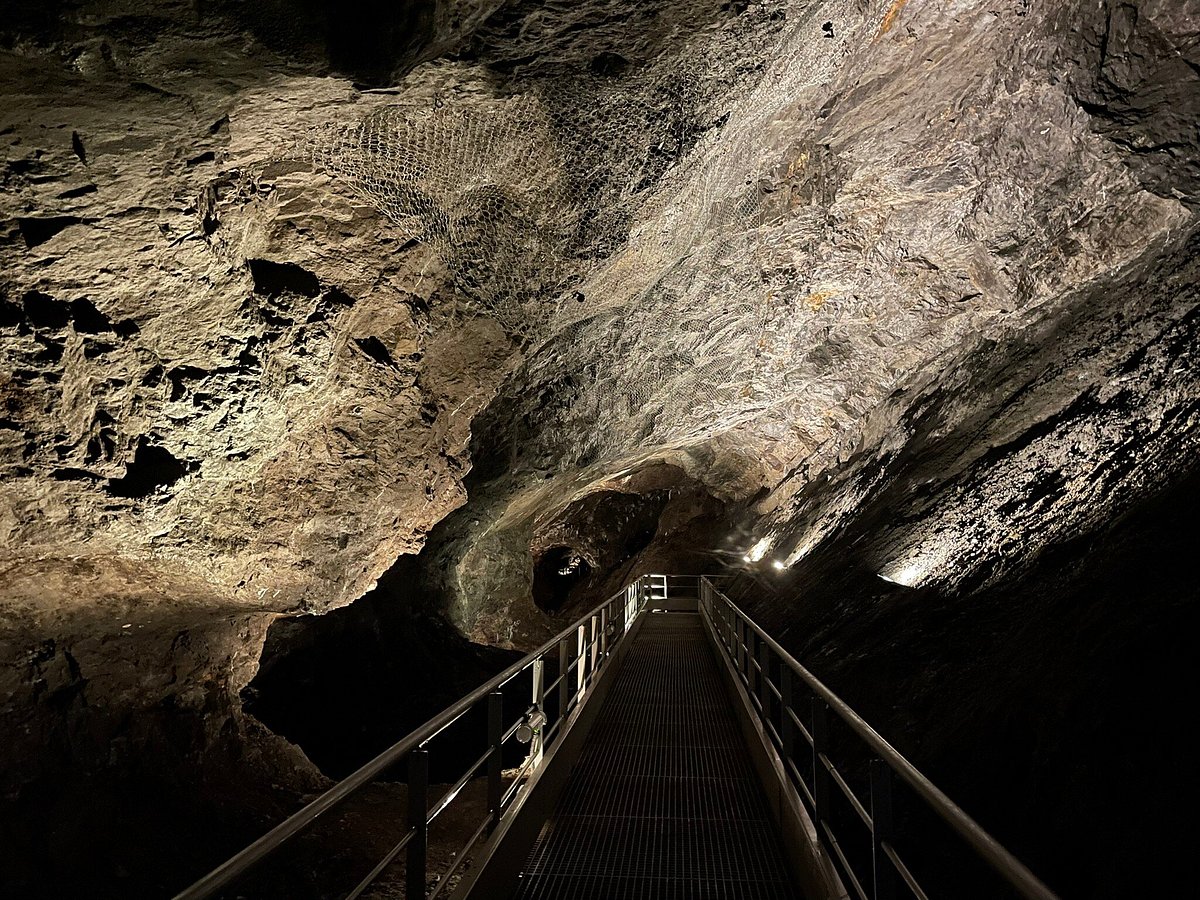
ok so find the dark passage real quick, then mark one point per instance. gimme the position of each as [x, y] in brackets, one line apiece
[663, 802]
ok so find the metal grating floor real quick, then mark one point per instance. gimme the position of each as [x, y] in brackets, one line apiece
[663, 803]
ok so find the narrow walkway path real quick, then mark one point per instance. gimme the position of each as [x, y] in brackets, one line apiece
[663, 803]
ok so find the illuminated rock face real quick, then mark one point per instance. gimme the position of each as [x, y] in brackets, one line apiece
[914, 280]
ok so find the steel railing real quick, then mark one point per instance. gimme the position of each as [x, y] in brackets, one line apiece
[778, 703]
[577, 655]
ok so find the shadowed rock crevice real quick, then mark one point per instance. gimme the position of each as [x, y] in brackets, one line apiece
[152, 468]
[555, 575]
[38, 230]
[346, 685]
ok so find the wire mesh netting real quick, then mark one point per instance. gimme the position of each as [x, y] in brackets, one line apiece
[603, 217]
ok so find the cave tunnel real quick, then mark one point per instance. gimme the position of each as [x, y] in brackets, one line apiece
[469, 445]
[555, 574]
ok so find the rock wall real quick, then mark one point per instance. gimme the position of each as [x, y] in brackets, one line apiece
[911, 280]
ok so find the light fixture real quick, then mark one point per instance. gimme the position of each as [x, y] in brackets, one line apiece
[906, 576]
[531, 725]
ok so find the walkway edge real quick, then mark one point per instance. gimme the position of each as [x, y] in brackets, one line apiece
[813, 869]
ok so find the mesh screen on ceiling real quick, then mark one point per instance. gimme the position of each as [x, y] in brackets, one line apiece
[606, 218]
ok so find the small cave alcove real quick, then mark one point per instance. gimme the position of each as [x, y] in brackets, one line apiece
[346, 685]
[559, 571]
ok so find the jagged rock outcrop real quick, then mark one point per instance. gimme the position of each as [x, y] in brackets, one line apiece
[284, 287]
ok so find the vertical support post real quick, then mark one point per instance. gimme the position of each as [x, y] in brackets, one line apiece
[881, 829]
[594, 646]
[418, 809]
[495, 713]
[787, 728]
[741, 650]
[604, 631]
[737, 653]
[539, 683]
[564, 687]
[821, 779]
[539, 702]
[580, 661]
[751, 658]
[764, 679]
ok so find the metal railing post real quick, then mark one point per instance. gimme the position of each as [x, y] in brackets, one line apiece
[539, 683]
[539, 703]
[735, 645]
[495, 714]
[580, 660]
[564, 687]
[787, 728]
[821, 779]
[881, 829]
[741, 649]
[764, 671]
[418, 809]
[594, 646]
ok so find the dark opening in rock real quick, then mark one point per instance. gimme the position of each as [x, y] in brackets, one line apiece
[87, 318]
[609, 63]
[558, 571]
[348, 684]
[152, 468]
[10, 313]
[44, 311]
[37, 229]
[271, 278]
[81, 191]
[374, 348]
[126, 328]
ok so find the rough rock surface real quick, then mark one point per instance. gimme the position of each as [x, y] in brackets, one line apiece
[910, 280]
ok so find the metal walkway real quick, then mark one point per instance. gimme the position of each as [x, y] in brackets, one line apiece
[664, 802]
[661, 747]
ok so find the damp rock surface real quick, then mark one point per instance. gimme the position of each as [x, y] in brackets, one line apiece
[291, 291]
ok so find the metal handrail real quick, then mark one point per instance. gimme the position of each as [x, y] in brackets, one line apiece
[988, 848]
[623, 606]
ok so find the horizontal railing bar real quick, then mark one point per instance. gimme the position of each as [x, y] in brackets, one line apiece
[529, 661]
[238, 864]
[381, 865]
[512, 789]
[458, 860]
[851, 797]
[803, 729]
[845, 867]
[902, 869]
[967, 828]
[775, 738]
[812, 803]
[448, 797]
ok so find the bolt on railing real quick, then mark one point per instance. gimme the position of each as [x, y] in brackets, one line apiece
[753, 654]
[579, 654]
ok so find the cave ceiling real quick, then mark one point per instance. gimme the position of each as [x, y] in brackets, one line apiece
[266, 301]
